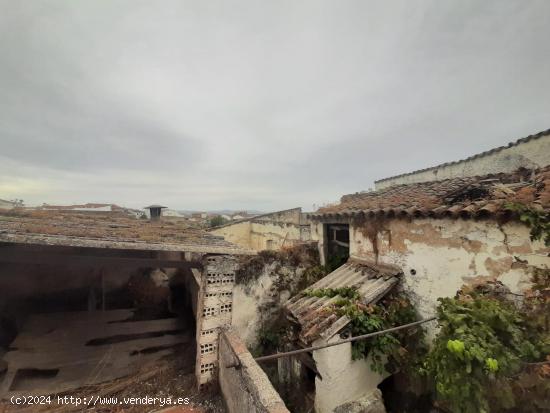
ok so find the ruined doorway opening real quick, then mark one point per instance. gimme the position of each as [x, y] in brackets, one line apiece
[397, 400]
[295, 381]
[337, 245]
[75, 317]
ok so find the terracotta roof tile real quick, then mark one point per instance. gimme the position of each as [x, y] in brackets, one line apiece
[317, 317]
[466, 197]
[109, 231]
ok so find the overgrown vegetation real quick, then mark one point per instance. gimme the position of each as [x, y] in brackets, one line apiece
[216, 221]
[538, 221]
[292, 270]
[389, 352]
[480, 359]
[305, 257]
[492, 354]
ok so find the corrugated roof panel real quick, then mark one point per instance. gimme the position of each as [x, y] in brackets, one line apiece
[316, 316]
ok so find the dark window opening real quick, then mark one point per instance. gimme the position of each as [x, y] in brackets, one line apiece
[400, 395]
[337, 245]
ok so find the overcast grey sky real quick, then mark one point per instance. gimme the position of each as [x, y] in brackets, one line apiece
[258, 104]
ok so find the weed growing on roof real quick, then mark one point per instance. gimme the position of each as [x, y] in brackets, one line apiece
[344, 292]
[388, 352]
[251, 268]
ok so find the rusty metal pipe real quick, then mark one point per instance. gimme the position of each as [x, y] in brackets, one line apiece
[347, 340]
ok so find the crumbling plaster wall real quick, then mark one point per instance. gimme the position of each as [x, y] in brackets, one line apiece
[343, 379]
[531, 154]
[281, 234]
[438, 256]
[249, 299]
[238, 233]
[260, 300]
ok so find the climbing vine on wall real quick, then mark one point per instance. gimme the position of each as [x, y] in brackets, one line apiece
[538, 221]
[485, 345]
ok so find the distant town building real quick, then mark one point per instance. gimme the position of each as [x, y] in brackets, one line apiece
[92, 208]
[172, 213]
[8, 204]
[271, 231]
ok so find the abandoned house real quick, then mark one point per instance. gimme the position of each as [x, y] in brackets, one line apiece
[426, 233]
[85, 299]
[271, 231]
[426, 238]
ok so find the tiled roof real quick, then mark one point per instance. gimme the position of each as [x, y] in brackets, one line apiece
[109, 231]
[467, 197]
[317, 316]
[470, 158]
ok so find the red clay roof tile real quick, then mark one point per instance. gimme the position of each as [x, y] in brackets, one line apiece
[459, 197]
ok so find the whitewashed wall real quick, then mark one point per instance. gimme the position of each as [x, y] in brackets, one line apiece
[438, 256]
[530, 154]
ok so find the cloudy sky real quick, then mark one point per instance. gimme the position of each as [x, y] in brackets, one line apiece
[258, 104]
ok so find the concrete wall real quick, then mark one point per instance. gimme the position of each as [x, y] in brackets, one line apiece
[273, 235]
[289, 216]
[237, 233]
[343, 379]
[438, 256]
[243, 384]
[270, 231]
[534, 152]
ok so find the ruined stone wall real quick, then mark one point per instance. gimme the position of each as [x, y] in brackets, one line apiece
[258, 300]
[268, 232]
[273, 235]
[243, 384]
[532, 153]
[438, 256]
[265, 282]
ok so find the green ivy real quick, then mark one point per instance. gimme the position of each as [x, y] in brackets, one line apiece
[480, 346]
[389, 352]
[538, 221]
[344, 292]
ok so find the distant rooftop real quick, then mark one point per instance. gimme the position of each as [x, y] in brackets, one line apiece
[154, 206]
[108, 231]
